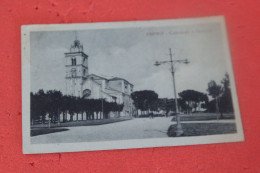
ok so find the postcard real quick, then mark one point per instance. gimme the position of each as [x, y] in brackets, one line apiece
[123, 85]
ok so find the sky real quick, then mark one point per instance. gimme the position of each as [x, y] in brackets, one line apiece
[130, 53]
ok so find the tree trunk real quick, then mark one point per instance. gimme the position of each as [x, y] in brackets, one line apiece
[189, 107]
[217, 107]
[52, 118]
[58, 117]
[71, 117]
[63, 116]
[49, 122]
[221, 115]
[221, 111]
[43, 119]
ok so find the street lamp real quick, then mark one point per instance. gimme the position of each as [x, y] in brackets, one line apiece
[179, 130]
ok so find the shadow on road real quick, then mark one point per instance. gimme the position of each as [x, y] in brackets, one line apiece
[82, 123]
[43, 131]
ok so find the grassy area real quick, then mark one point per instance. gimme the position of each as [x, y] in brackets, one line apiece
[43, 131]
[83, 123]
[203, 117]
[201, 129]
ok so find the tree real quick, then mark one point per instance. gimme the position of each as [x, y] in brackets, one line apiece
[168, 105]
[144, 100]
[35, 109]
[54, 104]
[215, 92]
[137, 100]
[86, 108]
[202, 100]
[226, 98]
[78, 107]
[205, 98]
[191, 99]
[38, 106]
[72, 107]
[183, 105]
[65, 106]
[111, 107]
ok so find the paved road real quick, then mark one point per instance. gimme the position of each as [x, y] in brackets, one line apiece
[133, 129]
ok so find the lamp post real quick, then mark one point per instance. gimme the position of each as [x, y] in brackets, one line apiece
[179, 130]
[102, 105]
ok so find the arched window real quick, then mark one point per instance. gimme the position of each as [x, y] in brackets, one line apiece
[73, 72]
[73, 61]
[84, 72]
[86, 93]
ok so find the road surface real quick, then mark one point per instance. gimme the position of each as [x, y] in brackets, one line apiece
[138, 128]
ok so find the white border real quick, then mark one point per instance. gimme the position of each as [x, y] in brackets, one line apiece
[29, 148]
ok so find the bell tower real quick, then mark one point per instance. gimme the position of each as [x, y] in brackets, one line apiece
[76, 69]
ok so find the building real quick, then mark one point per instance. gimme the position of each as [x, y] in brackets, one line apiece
[80, 83]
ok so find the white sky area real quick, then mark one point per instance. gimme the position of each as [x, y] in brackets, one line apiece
[130, 53]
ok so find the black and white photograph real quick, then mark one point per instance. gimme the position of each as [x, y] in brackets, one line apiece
[122, 85]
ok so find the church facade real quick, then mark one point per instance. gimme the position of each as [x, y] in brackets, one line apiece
[80, 83]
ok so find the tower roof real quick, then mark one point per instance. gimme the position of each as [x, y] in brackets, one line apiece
[76, 46]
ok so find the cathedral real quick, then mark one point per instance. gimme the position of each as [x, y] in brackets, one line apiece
[80, 83]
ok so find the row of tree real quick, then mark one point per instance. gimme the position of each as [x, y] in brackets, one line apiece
[52, 104]
[189, 100]
[221, 94]
[147, 101]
